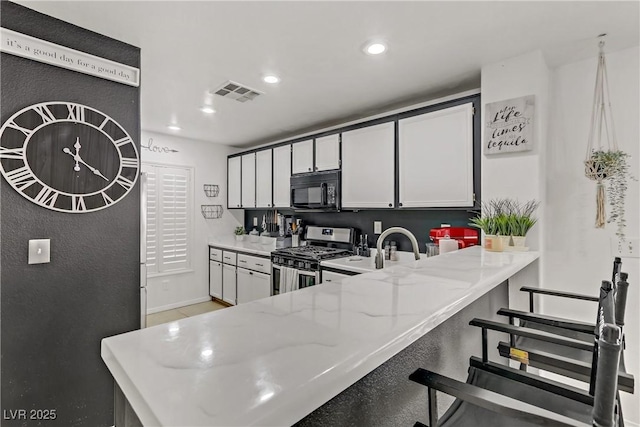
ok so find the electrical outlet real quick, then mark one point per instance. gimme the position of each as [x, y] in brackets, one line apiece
[630, 248]
[377, 227]
[255, 221]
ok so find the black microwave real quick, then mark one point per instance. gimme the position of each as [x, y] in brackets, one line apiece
[316, 190]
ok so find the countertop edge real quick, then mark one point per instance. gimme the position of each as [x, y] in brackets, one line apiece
[360, 368]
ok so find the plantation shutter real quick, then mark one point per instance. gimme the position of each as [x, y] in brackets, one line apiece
[152, 218]
[174, 224]
[168, 213]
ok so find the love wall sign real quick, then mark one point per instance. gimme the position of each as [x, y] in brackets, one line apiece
[509, 125]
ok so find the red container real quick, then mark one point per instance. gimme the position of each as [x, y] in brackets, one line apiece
[465, 236]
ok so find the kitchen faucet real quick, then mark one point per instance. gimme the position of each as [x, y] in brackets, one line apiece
[388, 231]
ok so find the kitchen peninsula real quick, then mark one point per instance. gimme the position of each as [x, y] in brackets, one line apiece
[276, 360]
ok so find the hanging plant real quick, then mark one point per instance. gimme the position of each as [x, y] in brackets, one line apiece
[608, 166]
[615, 167]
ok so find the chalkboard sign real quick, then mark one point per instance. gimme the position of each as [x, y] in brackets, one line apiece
[509, 125]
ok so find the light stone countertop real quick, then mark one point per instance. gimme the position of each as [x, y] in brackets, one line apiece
[245, 245]
[275, 360]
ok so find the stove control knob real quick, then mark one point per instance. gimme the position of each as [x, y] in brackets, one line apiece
[307, 265]
[300, 264]
[290, 262]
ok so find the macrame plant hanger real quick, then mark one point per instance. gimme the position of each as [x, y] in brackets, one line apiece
[601, 128]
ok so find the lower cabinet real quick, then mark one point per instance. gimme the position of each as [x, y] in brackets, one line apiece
[215, 279]
[229, 282]
[252, 285]
[237, 277]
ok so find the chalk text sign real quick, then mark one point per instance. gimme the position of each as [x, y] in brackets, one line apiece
[509, 125]
[43, 51]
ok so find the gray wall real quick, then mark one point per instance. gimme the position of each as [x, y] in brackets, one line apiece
[54, 315]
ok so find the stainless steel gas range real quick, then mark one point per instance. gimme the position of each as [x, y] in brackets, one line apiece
[299, 267]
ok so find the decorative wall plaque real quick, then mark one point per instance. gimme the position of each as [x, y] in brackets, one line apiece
[509, 125]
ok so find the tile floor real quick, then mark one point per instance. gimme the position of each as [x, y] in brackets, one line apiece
[182, 312]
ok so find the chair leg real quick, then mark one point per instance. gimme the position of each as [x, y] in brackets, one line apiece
[433, 408]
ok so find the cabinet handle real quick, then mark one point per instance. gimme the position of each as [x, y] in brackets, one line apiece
[309, 169]
[390, 204]
[327, 280]
[400, 204]
[260, 265]
[243, 261]
[251, 273]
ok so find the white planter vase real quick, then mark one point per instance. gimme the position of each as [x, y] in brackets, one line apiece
[506, 241]
[493, 243]
[518, 241]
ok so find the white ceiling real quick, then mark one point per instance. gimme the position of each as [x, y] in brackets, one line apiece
[435, 48]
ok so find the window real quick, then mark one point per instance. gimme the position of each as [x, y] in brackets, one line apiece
[169, 218]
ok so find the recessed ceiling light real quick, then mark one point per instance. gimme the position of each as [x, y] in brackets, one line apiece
[174, 127]
[375, 48]
[271, 79]
[207, 109]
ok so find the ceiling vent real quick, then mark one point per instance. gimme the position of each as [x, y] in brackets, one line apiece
[240, 93]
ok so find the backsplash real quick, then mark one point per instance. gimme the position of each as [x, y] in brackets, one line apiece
[419, 222]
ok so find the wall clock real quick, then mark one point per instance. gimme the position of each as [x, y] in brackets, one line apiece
[68, 157]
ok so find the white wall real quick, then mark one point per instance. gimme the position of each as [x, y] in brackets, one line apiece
[209, 163]
[579, 256]
[575, 255]
[519, 175]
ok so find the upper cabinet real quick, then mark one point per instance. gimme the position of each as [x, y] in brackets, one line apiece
[281, 176]
[436, 158]
[368, 170]
[302, 156]
[328, 152]
[264, 179]
[423, 158]
[233, 183]
[249, 180]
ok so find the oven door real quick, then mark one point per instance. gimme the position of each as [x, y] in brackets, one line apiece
[305, 279]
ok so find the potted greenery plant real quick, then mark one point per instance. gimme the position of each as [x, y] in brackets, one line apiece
[239, 232]
[486, 222]
[521, 220]
[610, 169]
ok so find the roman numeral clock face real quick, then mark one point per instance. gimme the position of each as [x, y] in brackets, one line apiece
[68, 157]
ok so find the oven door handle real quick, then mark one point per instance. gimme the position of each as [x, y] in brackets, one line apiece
[323, 191]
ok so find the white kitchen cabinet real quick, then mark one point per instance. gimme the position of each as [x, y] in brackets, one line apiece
[333, 277]
[328, 152]
[233, 183]
[302, 156]
[282, 176]
[252, 285]
[436, 158]
[368, 179]
[249, 180]
[261, 285]
[244, 285]
[215, 279]
[264, 179]
[229, 283]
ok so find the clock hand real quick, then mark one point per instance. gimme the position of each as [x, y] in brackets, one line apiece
[77, 146]
[77, 158]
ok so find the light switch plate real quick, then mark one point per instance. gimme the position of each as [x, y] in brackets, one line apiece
[377, 227]
[39, 251]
